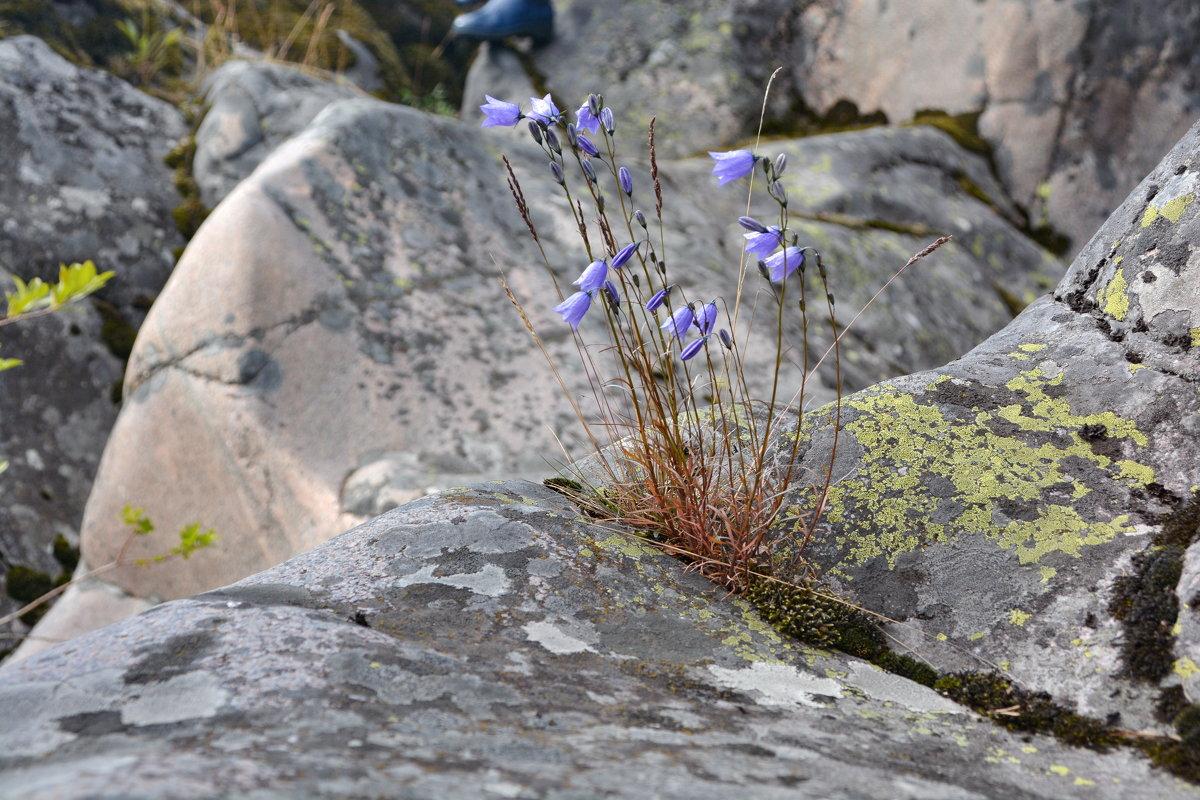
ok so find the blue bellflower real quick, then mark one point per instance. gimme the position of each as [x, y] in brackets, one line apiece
[693, 348]
[586, 120]
[732, 165]
[500, 113]
[659, 298]
[574, 307]
[784, 263]
[585, 144]
[705, 320]
[626, 180]
[763, 244]
[544, 110]
[624, 254]
[679, 322]
[592, 277]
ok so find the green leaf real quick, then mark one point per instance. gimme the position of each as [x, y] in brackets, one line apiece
[192, 539]
[136, 518]
[9, 363]
[28, 296]
[77, 281]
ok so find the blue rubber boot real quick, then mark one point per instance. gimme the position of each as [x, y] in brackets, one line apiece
[500, 19]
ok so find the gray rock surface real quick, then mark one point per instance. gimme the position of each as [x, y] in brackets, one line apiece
[995, 503]
[492, 642]
[1073, 126]
[335, 340]
[81, 159]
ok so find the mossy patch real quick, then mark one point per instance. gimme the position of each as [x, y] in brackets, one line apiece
[190, 212]
[25, 584]
[1145, 601]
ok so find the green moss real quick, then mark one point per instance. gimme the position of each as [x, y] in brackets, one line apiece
[25, 584]
[963, 128]
[564, 485]
[800, 120]
[115, 331]
[65, 554]
[1145, 601]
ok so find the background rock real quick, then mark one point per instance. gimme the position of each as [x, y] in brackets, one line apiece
[335, 339]
[490, 642]
[1008, 507]
[1073, 127]
[82, 160]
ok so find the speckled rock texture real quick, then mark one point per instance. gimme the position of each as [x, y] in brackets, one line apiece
[81, 161]
[993, 505]
[1073, 126]
[493, 643]
[335, 340]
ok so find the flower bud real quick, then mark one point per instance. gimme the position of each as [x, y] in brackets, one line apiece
[585, 144]
[640, 217]
[780, 164]
[599, 202]
[589, 171]
[572, 134]
[552, 141]
[751, 224]
[606, 119]
[557, 172]
[535, 131]
[779, 193]
[625, 254]
[626, 181]
[726, 339]
[594, 103]
[610, 294]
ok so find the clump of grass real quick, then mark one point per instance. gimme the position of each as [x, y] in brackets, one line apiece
[688, 453]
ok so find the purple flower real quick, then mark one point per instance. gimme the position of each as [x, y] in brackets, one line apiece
[659, 298]
[751, 224]
[763, 244]
[726, 339]
[498, 112]
[585, 144]
[679, 322]
[606, 119]
[732, 165]
[693, 348]
[784, 263]
[574, 307]
[544, 110]
[626, 180]
[587, 120]
[610, 292]
[624, 254]
[592, 277]
[707, 317]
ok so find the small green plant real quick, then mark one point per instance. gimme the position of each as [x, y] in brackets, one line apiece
[192, 538]
[153, 50]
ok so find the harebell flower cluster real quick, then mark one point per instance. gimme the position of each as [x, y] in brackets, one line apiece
[689, 456]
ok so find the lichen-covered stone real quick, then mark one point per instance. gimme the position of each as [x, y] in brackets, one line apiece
[493, 642]
[994, 506]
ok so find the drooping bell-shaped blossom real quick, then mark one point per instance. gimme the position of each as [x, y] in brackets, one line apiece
[544, 110]
[500, 113]
[574, 307]
[585, 144]
[707, 317]
[679, 322]
[659, 298]
[763, 244]
[586, 120]
[592, 277]
[732, 165]
[752, 225]
[782, 264]
[624, 254]
[692, 349]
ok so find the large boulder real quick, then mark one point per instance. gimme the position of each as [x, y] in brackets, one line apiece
[335, 340]
[494, 642]
[1030, 506]
[83, 178]
[1072, 127]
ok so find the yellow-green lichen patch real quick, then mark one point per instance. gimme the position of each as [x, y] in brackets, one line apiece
[926, 475]
[1172, 210]
[1195, 333]
[626, 545]
[1114, 298]
[1018, 617]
